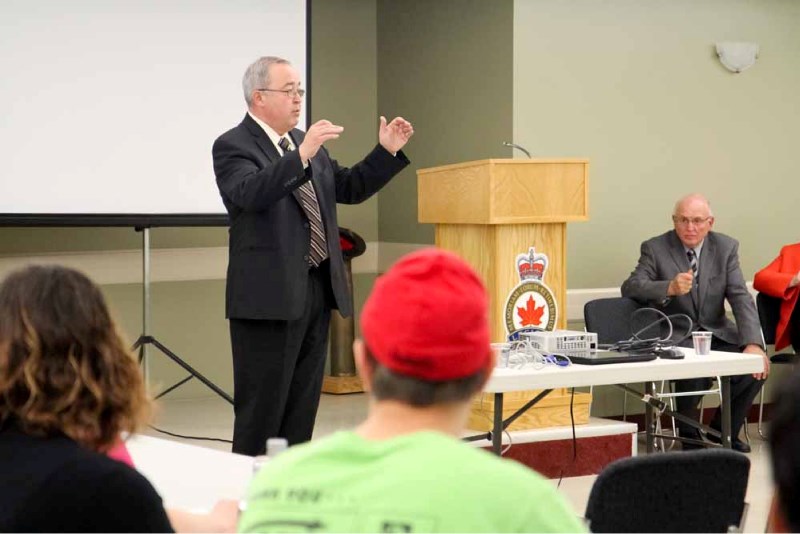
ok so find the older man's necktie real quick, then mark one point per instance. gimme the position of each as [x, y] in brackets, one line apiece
[318, 248]
[692, 261]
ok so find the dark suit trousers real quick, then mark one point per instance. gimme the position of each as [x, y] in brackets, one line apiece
[744, 389]
[278, 368]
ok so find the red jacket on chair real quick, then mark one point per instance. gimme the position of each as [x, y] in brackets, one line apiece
[774, 281]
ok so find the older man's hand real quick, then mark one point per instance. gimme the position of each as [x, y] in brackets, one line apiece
[681, 284]
[756, 349]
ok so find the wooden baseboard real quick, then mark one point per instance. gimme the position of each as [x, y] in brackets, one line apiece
[340, 385]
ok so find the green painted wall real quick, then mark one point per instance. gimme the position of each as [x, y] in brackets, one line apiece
[447, 67]
[344, 77]
[16, 241]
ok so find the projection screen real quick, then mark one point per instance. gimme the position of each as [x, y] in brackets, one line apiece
[109, 108]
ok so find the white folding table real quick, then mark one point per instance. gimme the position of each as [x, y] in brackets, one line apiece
[722, 364]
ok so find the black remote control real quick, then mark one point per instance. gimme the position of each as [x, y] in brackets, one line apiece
[670, 354]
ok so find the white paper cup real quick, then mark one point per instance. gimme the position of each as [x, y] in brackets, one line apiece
[501, 353]
[702, 342]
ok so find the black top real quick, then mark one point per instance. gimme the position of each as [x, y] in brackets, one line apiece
[55, 485]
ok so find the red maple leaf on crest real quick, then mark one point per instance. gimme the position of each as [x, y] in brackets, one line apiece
[531, 315]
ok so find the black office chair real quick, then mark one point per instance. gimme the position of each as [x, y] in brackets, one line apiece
[694, 491]
[769, 313]
[610, 319]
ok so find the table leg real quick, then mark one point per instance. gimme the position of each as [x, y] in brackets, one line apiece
[497, 433]
[725, 388]
[649, 419]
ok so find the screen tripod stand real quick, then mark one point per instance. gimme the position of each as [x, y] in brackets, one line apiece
[145, 339]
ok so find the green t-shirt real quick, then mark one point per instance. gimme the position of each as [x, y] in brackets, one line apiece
[422, 482]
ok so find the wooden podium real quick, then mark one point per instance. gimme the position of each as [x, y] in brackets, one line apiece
[490, 211]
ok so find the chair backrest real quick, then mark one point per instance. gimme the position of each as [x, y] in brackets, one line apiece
[610, 318]
[689, 491]
[769, 313]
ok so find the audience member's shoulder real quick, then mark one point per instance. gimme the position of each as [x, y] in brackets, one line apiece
[94, 492]
[310, 451]
[484, 460]
[90, 468]
[108, 484]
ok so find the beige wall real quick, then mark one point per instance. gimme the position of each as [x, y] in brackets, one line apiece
[635, 86]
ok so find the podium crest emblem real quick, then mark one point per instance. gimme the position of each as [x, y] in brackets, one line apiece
[531, 305]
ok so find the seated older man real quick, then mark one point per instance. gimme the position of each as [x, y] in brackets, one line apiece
[693, 270]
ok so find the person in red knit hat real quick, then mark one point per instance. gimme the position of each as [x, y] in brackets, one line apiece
[425, 352]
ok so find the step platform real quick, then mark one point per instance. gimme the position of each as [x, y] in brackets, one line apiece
[550, 451]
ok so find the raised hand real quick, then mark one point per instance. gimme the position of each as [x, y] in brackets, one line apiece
[395, 135]
[681, 284]
[319, 132]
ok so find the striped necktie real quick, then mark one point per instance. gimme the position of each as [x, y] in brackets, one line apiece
[318, 248]
[692, 261]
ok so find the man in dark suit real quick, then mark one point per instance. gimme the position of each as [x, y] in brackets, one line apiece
[692, 270]
[285, 267]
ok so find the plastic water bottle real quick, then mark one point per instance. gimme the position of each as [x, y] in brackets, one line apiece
[275, 446]
[259, 462]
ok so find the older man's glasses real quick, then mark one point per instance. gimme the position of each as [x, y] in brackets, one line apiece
[291, 93]
[686, 221]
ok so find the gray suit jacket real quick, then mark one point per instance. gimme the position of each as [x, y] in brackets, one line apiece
[719, 278]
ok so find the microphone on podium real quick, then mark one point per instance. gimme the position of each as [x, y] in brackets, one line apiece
[512, 145]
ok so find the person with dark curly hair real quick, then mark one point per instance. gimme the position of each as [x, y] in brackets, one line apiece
[69, 387]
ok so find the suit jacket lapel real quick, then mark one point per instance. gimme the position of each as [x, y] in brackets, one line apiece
[261, 138]
[682, 262]
[297, 139]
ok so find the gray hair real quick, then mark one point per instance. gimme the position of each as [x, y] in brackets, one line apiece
[691, 198]
[257, 75]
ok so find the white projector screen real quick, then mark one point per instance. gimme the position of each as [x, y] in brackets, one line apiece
[110, 107]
